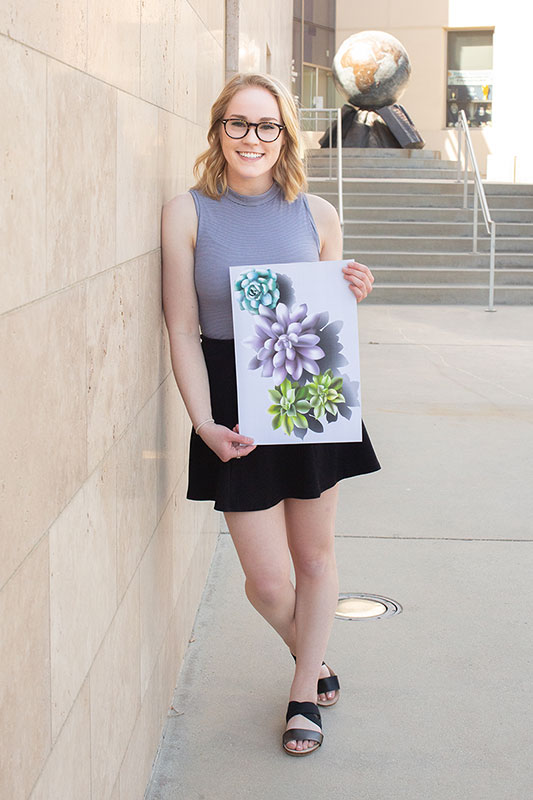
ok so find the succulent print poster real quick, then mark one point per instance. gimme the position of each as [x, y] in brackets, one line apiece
[297, 353]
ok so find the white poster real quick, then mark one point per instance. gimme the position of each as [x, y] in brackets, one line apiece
[297, 353]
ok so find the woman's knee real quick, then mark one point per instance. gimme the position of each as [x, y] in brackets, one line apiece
[266, 588]
[314, 563]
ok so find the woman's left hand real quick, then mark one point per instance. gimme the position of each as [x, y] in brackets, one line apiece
[360, 279]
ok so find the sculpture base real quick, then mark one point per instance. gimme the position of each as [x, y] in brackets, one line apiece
[389, 127]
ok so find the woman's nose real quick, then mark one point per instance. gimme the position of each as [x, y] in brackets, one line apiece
[249, 131]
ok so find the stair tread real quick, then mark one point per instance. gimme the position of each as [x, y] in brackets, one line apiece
[460, 286]
[432, 238]
[431, 268]
[430, 222]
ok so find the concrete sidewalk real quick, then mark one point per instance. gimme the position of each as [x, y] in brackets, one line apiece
[436, 701]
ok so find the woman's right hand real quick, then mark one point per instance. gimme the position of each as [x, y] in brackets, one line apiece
[225, 443]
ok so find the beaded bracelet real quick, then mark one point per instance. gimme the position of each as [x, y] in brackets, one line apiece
[203, 423]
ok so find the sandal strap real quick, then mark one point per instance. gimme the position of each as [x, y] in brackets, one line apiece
[300, 734]
[330, 684]
[306, 709]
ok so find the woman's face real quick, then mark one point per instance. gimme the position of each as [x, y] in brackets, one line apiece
[251, 161]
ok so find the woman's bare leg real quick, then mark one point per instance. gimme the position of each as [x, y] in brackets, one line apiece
[310, 533]
[260, 539]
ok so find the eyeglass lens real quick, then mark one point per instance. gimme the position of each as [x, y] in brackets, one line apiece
[238, 128]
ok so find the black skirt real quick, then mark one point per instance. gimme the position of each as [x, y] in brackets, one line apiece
[269, 473]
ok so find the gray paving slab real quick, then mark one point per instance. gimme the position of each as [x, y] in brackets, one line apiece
[447, 396]
[436, 701]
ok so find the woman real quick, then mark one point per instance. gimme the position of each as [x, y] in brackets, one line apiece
[248, 208]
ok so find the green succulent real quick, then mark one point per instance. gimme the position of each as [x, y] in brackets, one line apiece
[324, 393]
[290, 405]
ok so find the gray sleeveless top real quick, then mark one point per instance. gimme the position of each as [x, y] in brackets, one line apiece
[242, 230]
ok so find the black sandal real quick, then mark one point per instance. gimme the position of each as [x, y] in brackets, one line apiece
[312, 713]
[330, 684]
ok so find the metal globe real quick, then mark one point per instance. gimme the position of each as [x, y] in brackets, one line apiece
[371, 69]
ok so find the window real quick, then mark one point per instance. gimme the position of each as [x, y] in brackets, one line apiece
[318, 90]
[313, 52]
[469, 78]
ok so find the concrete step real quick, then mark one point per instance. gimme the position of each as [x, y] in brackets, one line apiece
[372, 186]
[424, 235]
[438, 229]
[439, 259]
[357, 199]
[375, 152]
[397, 294]
[436, 214]
[370, 163]
[431, 244]
[388, 173]
[455, 276]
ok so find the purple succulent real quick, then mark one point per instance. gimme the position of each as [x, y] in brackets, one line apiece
[286, 342]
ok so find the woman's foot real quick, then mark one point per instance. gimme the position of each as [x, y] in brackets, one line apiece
[303, 720]
[327, 698]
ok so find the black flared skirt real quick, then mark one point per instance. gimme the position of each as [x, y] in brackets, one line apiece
[270, 473]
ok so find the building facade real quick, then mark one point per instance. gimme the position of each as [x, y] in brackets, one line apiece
[469, 54]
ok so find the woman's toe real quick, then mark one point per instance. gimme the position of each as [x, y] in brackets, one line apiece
[291, 744]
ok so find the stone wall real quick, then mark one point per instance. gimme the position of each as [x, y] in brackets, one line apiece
[104, 106]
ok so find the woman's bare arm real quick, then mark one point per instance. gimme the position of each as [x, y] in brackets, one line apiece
[180, 307]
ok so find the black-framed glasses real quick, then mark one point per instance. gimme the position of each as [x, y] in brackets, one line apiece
[265, 131]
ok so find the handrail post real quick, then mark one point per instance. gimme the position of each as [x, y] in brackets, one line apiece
[330, 154]
[465, 178]
[339, 168]
[492, 264]
[475, 218]
[459, 143]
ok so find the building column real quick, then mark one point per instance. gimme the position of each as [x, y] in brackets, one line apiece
[232, 38]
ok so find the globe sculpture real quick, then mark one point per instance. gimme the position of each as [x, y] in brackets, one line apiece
[372, 69]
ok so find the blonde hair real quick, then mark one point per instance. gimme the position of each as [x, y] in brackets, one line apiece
[210, 166]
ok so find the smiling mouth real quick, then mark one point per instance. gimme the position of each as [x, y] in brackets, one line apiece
[250, 156]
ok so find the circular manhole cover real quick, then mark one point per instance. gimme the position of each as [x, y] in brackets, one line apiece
[361, 606]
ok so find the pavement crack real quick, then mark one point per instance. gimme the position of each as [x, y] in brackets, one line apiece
[478, 378]
[473, 375]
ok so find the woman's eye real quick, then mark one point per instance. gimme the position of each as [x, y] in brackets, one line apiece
[267, 126]
[238, 123]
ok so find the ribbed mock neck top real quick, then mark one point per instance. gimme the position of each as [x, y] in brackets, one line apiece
[245, 230]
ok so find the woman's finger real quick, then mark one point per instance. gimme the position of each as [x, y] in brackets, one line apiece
[353, 268]
[356, 265]
[237, 438]
[239, 451]
[360, 279]
[360, 293]
[361, 276]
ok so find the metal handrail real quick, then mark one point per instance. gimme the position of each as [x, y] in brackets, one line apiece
[479, 192]
[330, 112]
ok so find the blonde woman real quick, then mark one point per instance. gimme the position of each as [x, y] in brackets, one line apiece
[249, 207]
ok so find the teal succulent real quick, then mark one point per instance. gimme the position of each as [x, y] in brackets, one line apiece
[324, 394]
[290, 405]
[257, 288]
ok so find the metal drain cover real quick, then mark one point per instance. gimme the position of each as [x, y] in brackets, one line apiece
[366, 606]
